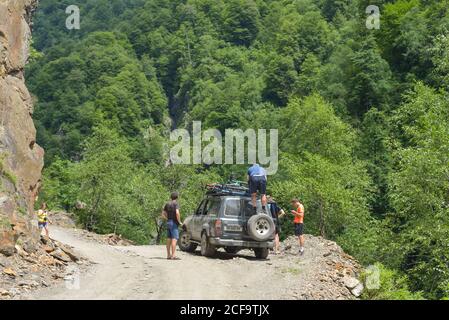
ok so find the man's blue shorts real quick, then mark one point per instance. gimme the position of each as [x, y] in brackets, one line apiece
[42, 224]
[258, 183]
[172, 230]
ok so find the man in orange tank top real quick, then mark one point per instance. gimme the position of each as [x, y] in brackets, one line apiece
[298, 213]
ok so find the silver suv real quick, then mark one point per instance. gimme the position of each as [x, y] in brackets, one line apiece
[226, 220]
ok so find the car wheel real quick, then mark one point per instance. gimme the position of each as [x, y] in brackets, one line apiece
[261, 253]
[231, 250]
[207, 250]
[184, 242]
[261, 227]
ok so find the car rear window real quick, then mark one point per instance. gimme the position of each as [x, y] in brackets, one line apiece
[232, 207]
[248, 210]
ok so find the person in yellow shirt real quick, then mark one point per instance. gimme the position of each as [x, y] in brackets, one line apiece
[42, 216]
[298, 213]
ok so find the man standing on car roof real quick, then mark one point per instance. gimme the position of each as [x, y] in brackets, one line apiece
[257, 180]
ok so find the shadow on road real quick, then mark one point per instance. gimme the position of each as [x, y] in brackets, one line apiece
[220, 255]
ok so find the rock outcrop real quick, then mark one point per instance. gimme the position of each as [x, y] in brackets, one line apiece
[21, 159]
[331, 273]
[25, 272]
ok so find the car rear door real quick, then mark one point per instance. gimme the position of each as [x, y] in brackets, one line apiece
[231, 217]
[210, 213]
[196, 221]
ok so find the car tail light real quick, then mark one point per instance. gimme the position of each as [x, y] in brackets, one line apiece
[218, 227]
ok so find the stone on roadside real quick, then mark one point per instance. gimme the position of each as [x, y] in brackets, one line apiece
[45, 239]
[358, 290]
[3, 261]
[10, 272]
[4, 293]
[351, 282]
[70, 253]
[46, 260]
[48, 249]
[20, 251]
[31, 283]
[60, 255]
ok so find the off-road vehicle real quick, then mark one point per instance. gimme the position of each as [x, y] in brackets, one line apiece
[225, 219]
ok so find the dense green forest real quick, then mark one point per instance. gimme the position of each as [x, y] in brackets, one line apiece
[363, 117]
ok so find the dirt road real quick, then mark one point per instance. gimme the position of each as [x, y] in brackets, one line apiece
[142, 272]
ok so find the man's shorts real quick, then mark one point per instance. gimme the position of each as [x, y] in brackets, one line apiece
[299, 229]
[172, 230]
[258, 184]
[42, 224]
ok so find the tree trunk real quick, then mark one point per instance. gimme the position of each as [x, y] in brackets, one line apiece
[158, 231]
[158, 238]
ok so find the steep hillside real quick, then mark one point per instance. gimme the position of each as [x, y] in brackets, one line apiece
[362, 116]
[21, 159]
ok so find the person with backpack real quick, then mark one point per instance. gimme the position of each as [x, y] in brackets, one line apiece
[172, 215]
[276, 213]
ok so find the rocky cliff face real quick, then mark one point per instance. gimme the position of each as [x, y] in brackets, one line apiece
[21, 159]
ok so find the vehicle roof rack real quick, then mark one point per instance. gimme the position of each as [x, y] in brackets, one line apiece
[230, 188]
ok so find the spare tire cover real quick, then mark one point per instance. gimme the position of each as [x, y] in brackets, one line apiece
[261, 227]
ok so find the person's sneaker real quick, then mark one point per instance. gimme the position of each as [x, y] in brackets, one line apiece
[301, 252]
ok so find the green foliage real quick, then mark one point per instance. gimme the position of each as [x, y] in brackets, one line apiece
[99, 81]
[320, 169]
[121, 195]
[419, 191]
[241, 21]
[313, 127]
[34, 54]
[375, 148]
[440, 59]
[58, 190]
[104, 184]
[359, 77]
